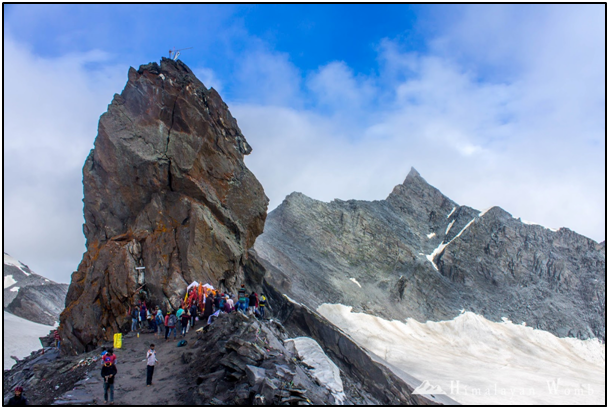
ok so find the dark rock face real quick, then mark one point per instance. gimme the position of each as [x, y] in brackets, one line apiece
[31, 296]
[419, 254]
[165, 188]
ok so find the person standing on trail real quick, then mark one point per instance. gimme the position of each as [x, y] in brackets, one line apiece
[18, 399]
[178, 315]
[242, 300]
[208, 309]
[170, 323]
[159, 322]
[193, 313]
[151, 360]
[57, 338]
[142, 315]
[184, 321]
[134, 315]
[252, 303]
[109, 371]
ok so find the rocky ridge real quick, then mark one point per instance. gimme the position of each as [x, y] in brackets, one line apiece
[31, 296]
[167, 200]
[419, 254]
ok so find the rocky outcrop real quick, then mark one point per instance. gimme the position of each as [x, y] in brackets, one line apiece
[419, 254]
[31, 296]
[167, 200]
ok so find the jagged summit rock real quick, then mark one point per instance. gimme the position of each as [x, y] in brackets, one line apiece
[419, 254]
[165, 188]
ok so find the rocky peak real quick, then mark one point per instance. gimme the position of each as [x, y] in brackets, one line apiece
[165, 188]
[430, 258]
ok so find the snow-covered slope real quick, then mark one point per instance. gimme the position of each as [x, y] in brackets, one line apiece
[476, 361]
[21, 337]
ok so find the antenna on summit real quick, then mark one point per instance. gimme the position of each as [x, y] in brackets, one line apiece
[174, 52]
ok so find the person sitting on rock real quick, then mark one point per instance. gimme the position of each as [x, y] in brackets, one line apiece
[109, 371]
[18, 399]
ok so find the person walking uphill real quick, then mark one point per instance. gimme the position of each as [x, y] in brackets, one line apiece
[151, 360]
[109, 371]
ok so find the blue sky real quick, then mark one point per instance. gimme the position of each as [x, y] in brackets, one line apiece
[492, 104]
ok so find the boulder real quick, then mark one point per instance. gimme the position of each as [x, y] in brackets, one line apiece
[165, 188]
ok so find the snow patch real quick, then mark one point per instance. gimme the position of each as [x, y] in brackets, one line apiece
[537, 224]
[451, 213]
[450, 226]
[14, 289]
[291, 300]
[485, 211]
[356, 282]
[431, 235]
[323, 368]
[501, 357]
[9, 281]
[439, 249]
[21, 337]
[14, 262]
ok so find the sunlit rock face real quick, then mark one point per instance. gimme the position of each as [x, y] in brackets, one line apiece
[165, 188]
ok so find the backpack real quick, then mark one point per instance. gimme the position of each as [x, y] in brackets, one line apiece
[172, 320]
[158, 319]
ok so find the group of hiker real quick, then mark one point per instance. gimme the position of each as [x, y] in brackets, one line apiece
[200, 302]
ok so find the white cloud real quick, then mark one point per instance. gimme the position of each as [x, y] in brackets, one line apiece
[519, 138]
[51, 112]
[515, 120]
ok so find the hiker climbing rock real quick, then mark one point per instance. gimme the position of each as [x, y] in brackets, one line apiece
[262, 304]
[109, 371]
[252, 303]
[151, 360]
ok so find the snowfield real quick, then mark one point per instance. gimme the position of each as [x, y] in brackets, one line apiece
[322, 368]
[480, 362]
[21, 337]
